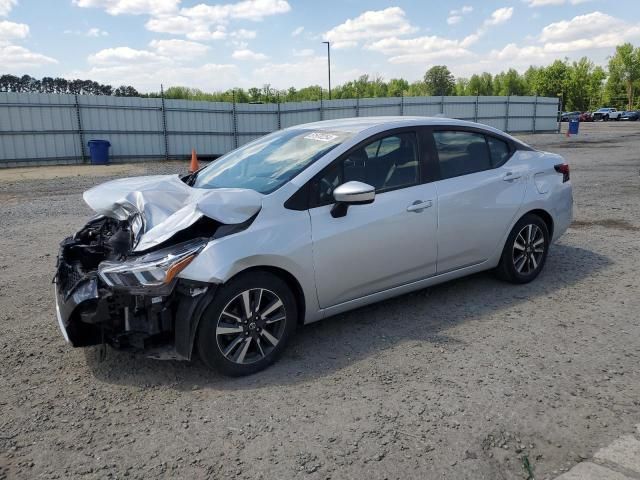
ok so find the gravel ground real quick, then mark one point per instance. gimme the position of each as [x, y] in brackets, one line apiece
[470, 379]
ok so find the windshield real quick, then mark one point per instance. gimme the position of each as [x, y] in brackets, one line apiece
[267, 163]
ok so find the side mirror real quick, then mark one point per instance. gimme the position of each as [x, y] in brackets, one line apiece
[351, 193]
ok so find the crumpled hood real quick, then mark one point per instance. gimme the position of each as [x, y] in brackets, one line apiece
[168, 205]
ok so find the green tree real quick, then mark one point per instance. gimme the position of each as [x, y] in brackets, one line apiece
[509, 83]
[624, 68]
[481, 84]
[397, 87]
[439, 81]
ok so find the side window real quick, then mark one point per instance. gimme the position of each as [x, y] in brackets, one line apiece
[500, 151]
[387, 164]
[461, 153]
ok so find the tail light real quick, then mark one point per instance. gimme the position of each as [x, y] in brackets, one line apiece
[563, 168]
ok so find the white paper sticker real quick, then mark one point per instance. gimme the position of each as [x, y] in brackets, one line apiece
[321, 137]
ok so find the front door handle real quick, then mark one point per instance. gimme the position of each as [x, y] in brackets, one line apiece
[510, 176]
[419, 205]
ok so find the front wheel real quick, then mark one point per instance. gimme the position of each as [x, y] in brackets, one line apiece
[248, 324]
[525, 251]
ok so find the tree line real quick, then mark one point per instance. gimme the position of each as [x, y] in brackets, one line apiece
[28, 84]
[580, 85]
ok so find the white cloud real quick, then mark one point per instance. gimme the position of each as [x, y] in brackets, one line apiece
[305, 52]
[91, 32]
[125, 55]
[583, 33]
[247, 54]
[370, 25]
[6, 6]
[297, 31]
[208, 77]
[131, 7]
[456, 15]
[11, 30]
[582, 26]
[177, 48]
[15, 57]
[432, 48]
[204, 22]
[243, 34]
[420, 49]
[499, 16]
[247, 10]
[545, 3]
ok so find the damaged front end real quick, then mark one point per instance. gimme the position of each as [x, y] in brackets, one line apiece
[116, 279]
[106, 295]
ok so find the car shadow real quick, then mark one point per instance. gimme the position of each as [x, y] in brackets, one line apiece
[325, 347]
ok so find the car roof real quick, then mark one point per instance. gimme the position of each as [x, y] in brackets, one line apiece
[356, 125]
[359, 124]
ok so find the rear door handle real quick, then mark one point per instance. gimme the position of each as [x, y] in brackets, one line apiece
[419, 206]
[510, 176]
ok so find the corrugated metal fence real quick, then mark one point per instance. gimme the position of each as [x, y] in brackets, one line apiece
[41, 129]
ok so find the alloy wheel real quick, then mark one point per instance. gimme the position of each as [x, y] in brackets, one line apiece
[251, 325]
[528, 249]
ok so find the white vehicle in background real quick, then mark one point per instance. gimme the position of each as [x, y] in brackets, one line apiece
[606, 114]
[300, 225]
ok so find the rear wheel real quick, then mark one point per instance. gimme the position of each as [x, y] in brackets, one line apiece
[525, 251]
[248, 324]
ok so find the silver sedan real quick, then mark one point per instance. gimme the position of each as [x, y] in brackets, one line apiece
[302, 224]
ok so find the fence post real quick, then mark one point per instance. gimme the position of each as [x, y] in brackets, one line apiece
[358, 105]
[321, 106]
[402, 104]
[475, 114]
[279, 114]
[80, 132]
[442, 104]
[506, 126]
[535, 113]
[234, 119]
[164, 124]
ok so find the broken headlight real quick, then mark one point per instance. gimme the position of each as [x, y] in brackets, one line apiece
[153, 272]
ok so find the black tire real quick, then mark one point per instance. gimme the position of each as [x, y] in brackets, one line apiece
[510, 268]
[265, 289]
[606, 118]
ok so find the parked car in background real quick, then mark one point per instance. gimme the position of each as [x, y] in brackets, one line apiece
[630, 115]
[300, 225]
[586, 117]
[568, 116]
[606, 114]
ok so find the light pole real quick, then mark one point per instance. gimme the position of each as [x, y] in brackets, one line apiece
[329, 65]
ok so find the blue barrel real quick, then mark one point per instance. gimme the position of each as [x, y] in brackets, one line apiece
[99, 151]
[574, 126]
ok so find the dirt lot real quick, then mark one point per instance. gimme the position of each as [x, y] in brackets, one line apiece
[463, 380]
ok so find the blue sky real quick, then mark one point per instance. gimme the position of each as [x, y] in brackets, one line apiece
[218, 45]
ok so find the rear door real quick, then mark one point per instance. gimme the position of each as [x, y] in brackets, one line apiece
[479, 194]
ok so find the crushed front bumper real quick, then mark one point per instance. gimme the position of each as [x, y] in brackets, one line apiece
[90, 313]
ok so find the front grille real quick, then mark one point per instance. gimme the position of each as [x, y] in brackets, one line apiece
[68, 276]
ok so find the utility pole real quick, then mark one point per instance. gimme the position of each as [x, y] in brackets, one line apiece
[329, 65]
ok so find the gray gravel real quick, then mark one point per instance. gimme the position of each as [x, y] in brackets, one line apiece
[471, 379]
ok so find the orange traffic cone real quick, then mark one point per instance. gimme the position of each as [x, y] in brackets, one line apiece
[194, 165]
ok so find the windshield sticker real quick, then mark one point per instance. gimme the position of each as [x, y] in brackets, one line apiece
[321, 137]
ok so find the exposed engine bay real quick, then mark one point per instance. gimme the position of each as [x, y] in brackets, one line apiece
[117, 278]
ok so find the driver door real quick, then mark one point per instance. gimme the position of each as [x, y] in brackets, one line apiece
[382, 245]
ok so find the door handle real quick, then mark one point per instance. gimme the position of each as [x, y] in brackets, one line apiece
[419, 206]
[510, 176]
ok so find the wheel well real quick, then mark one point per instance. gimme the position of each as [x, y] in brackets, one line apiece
[290, 280]
[544, 215]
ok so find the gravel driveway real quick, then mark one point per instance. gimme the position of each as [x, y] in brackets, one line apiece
[468, 380]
